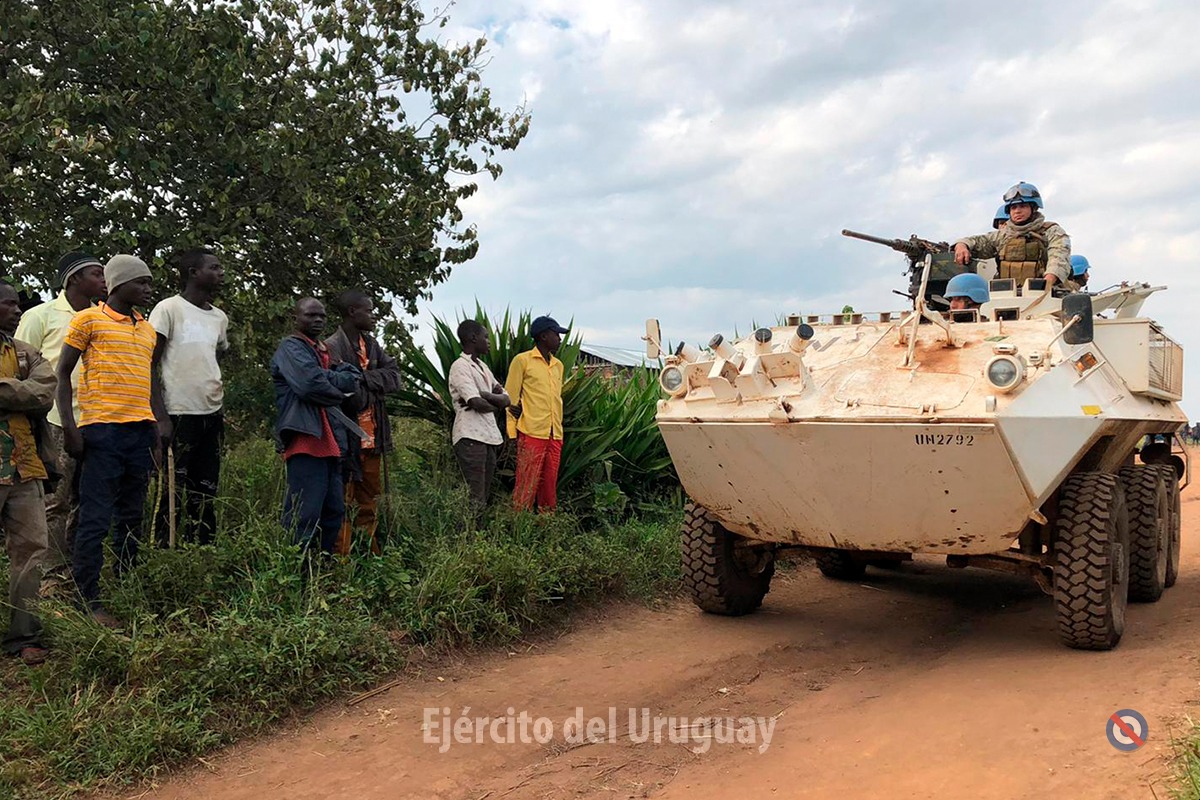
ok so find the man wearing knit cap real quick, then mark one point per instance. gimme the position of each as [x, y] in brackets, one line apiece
[81, 281]
[117, 439]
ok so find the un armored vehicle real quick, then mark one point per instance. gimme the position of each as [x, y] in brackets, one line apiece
[1032, 435]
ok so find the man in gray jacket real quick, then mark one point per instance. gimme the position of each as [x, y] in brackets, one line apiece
[311, 430]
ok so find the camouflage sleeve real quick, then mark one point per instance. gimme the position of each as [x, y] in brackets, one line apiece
[1058, 252]
[985, 245]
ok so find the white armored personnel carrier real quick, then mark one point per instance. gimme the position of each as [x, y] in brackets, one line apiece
[1034, 435]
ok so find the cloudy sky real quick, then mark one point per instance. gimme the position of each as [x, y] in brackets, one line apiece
[695, 161]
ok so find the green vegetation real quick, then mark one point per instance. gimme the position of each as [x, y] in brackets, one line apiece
[226, 639]
[321, 144]
[1187, 764]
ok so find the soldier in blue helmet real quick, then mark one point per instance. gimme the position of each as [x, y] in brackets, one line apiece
[1001, 218]
[1027, 246]
[1079, 273]
[967, 291]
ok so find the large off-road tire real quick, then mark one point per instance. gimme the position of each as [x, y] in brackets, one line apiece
[1160, 453]
[1149, 517]
[1171, 481]
[1091, 563]
[721, 572]
[840, 564]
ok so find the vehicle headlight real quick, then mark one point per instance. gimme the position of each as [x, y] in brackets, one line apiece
[1005, 373]
[671, 380]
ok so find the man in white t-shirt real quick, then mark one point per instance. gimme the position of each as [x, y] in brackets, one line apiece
[477, 396]
[191, 331]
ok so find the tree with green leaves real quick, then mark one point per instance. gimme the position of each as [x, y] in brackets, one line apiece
[318, 144]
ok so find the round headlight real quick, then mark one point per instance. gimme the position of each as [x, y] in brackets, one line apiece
[671, 380]
[1004, 373]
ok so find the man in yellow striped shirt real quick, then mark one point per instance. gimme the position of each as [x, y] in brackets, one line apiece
[116, 439]
[535, 418]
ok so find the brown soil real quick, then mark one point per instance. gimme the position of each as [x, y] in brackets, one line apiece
[923, 682]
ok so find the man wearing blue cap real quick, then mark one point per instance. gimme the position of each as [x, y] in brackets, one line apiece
[535, 418]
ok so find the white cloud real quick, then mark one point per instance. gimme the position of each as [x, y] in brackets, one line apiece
[696, 160]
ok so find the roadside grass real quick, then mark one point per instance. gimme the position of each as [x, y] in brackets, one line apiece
[1186, 747]
[227, 639]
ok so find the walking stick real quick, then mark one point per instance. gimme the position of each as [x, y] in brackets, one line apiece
[171, 496]
[381, 514]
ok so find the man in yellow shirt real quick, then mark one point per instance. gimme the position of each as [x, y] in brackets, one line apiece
[535, 418]
[81, 278]
[117, 440]
[26, 389]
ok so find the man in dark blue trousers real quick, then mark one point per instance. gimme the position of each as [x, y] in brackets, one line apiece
[311, 430]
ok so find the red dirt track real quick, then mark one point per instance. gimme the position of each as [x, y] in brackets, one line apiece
[925, 682]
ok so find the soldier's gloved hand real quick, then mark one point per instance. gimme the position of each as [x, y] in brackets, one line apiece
[962, 254]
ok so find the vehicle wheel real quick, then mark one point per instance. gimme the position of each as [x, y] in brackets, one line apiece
[1177, 464]
[1149, 546]
[1171, 480]
[722, 572]
[840, 564]
[1091, 563]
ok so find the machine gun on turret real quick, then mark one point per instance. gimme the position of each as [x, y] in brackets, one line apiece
[915, 249]
[914, 246]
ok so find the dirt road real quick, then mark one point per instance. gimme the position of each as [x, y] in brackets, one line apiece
[926, 682]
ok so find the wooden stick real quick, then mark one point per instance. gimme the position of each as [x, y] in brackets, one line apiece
[171, 496]
[358, 698]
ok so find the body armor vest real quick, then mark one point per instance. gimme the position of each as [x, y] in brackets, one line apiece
[1023, 256]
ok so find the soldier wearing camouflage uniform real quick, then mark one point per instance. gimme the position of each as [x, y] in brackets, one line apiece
[1028, 246]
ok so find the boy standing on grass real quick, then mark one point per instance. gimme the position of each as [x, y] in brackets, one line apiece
[26, 387]
[311, 430]
[535, 381]
[116, 440]
[44, 327]
[477, 397]
[363, 465]
[191, 331]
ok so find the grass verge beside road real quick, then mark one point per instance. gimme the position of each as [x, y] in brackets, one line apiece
[225, 640]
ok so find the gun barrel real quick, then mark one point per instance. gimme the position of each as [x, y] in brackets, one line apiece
[866, 237]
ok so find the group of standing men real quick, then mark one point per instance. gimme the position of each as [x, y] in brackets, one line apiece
[94, 396]
[532, 401]
[332, 423]
[332, 426]
[91, 392]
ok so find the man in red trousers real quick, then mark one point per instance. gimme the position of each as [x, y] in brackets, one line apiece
[535, 418]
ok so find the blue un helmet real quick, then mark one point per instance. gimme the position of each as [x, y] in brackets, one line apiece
[1001, 217]
[968, 285]
[1023, 193]
[1079, 266]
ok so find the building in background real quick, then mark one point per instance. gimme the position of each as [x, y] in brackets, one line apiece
[613, 360]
